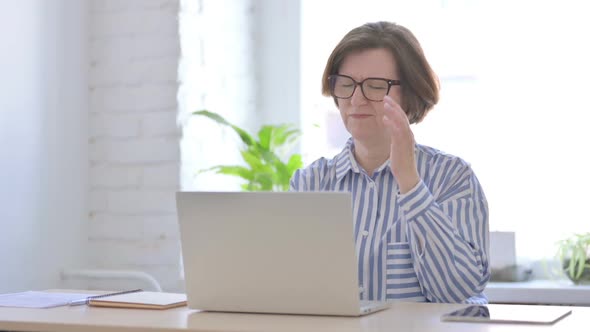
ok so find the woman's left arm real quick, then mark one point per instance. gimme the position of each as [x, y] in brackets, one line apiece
[448, 234]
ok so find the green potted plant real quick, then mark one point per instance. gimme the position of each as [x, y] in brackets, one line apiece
[268, 164]
[574, 256]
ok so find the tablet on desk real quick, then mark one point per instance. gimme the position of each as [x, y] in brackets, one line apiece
[512, 314]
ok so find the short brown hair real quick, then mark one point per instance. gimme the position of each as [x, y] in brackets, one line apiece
[419, 85]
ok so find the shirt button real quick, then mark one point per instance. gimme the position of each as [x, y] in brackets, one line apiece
[365, 233]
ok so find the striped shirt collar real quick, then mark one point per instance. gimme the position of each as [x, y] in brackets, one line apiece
[345, 161]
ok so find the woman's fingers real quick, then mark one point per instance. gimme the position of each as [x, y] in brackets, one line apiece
[401, 155]
[394, 112]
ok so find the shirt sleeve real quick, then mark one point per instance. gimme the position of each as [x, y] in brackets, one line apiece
[449, 236]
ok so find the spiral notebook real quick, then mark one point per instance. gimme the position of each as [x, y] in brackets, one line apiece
[138, 299]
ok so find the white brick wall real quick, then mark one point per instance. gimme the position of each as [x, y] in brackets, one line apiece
[134, 145]
[134, 150]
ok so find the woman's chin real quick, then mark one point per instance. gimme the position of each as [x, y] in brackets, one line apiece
[363, 136]
[367, 135]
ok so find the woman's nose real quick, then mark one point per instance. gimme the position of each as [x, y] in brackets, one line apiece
[358, 98]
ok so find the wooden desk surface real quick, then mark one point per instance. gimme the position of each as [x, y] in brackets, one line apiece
[400, 317]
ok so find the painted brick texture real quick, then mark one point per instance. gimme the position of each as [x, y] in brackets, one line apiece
[134, 145]
[137, 74]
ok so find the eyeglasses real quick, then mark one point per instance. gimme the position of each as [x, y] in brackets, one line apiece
[374, 89]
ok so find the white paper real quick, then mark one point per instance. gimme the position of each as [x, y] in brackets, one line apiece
[34, 299]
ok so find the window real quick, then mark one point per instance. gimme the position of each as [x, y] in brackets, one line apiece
[513, 75]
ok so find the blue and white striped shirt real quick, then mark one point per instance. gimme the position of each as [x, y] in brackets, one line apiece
[430, 244]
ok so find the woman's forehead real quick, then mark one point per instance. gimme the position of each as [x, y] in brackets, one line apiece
[374, 62]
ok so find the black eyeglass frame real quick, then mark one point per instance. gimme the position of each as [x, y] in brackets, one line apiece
[389, 82]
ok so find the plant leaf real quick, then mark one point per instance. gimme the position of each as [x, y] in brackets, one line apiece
[580, 256]
[294, 163]
[246, 138]
[240, 171]
[265, 135]
[284, 135]
[265, 180]
[252, 158]
[265, 167]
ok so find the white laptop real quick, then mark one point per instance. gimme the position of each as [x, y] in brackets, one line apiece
[270, 252]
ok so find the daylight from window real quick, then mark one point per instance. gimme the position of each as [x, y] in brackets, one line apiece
[512, 73]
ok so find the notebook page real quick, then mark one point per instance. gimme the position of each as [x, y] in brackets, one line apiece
[36, 299]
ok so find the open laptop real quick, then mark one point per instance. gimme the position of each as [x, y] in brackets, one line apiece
[270, 252]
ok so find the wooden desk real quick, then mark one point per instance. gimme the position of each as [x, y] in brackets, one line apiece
[400, 317]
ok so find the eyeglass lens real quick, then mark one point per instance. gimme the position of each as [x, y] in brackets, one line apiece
[374, 89]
